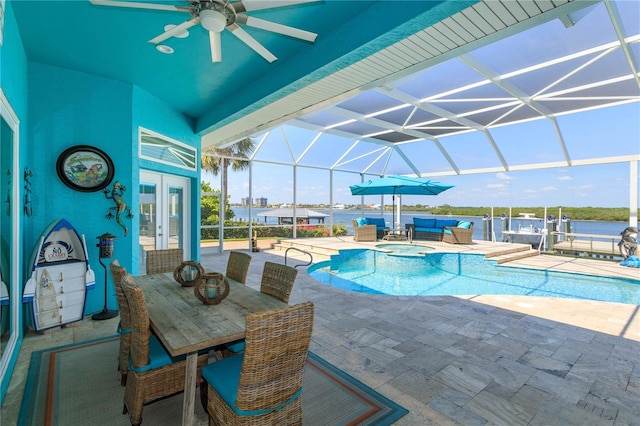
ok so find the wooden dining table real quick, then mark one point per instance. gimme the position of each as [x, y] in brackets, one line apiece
[185, 325]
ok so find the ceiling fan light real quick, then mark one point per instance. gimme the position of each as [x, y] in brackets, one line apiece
[164, 49]
[212, 20]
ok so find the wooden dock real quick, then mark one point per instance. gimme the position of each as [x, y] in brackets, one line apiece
[586, 245]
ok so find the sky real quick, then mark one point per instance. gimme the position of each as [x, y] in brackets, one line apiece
[605, 132]
[577, 186]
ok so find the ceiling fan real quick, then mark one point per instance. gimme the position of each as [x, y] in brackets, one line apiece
[217, 15]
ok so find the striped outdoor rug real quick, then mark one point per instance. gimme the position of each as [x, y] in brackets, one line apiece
[79, 385]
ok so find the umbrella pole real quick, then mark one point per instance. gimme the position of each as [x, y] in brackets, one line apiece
[398, 212]
[393, 211]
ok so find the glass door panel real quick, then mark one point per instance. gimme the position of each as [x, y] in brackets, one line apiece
[164, 204]
[176, 217]
[6, 193]
[148, 211]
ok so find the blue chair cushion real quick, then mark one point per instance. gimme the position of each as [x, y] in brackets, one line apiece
[434, 230]
[121, 331]
[441, 223]
[424, 223]
[361, 221]
[235, 347]
[158, 357]
[464, 225]
[224, 377]
[447, 231]
[377, 221]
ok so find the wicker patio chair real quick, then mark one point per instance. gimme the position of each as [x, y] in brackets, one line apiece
[238, 266]
[263, 385]
[124, 328]
[364, 232]
[277, 281]
[153, 373]
[166, 260]
[455, 235]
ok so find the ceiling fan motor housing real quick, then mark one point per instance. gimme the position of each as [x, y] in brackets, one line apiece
[215, 15]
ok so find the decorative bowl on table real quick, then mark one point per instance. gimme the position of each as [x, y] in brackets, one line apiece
[188, 273]
[212, 288]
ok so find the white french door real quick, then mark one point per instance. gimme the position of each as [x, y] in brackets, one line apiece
[164, 212]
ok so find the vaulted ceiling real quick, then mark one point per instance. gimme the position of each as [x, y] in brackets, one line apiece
[114, 42]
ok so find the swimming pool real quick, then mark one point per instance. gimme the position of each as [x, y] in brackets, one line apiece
[404, 249]
[438, 274]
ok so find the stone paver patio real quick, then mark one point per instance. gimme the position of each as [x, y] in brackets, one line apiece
[474, 360]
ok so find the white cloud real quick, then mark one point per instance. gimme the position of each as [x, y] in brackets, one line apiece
[496, 186]
[503, 176]
[565, 178]
[548, 189]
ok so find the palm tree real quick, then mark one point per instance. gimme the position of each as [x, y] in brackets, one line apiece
[217, 160]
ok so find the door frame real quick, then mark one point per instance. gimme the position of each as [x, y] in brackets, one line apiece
[12, 346]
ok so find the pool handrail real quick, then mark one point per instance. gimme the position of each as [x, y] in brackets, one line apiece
[301, 251]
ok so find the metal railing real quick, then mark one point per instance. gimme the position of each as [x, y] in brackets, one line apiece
[591, 244]
[301, 251]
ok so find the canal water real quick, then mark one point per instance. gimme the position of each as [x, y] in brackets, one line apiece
[344, 217]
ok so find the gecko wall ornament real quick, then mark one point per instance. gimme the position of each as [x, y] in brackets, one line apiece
[116, 195]
[28, 174]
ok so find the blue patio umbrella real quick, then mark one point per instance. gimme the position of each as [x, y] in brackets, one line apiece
[399, 185]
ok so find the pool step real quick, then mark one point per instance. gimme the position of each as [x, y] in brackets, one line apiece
[508, 250]
[522, 254]
[282, 246]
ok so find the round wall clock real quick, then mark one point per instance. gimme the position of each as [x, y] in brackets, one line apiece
[85, 168]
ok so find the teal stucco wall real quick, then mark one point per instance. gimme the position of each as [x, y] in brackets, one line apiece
[59, 108]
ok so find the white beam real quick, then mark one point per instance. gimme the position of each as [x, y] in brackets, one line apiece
[633, 193]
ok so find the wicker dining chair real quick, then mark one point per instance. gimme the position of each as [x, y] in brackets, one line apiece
[263, 385]
[124, 328]
[165, 260]
[277, 281]
[238, 266]
[153, 373]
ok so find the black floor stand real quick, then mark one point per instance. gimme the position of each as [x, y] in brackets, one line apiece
[106, 313]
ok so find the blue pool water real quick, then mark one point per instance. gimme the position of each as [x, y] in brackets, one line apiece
[437, 274]
[404, 249]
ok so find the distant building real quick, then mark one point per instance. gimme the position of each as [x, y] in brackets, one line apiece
[259, 202]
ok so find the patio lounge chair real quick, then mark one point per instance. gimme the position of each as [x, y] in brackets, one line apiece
[364, 232]
[458, 234]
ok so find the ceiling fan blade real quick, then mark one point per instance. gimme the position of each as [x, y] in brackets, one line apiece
[251, 42]
[249, 5]
[139, 5]
[216, 46]
[276, 28]
[175, 30]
